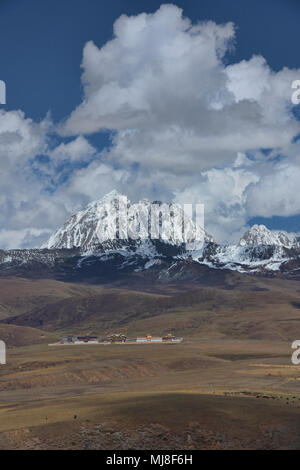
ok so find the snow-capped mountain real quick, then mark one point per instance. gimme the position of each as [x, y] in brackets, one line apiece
[114, 223]
[254, 258]
[260, 235]
[80, 230]
[93, 230]
[113, 237]
[259, 249]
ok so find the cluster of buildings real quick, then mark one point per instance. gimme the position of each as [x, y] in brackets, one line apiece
[70, 339]
[169, 338]
[116, 338]
[120, 338]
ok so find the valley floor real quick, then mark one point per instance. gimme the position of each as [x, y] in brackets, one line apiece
[201, 394]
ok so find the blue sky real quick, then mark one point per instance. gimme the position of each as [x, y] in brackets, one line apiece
[41, 42]
[41, 50]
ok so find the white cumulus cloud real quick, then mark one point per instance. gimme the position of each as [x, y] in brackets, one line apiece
[184, 124]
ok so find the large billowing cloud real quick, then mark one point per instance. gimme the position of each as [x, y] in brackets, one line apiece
[162, 85]
[20, 140]
[276, 192]
[180, 117]
[29, 212]
[184, 125]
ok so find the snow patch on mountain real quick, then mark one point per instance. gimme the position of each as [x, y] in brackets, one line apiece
[260, 235]
[96, 235]
[113, 223]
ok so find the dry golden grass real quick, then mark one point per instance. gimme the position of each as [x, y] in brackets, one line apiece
[230, 384]
[214, 385]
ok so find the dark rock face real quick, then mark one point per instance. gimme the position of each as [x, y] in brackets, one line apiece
[161, 262]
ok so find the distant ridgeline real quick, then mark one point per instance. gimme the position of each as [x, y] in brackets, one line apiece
[2, 92]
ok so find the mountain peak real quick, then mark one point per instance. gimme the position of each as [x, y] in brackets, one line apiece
[99, 223]
[261, 235]
[107, 198]
[111, 195]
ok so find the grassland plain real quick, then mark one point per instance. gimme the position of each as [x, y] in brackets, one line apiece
[230, 384]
